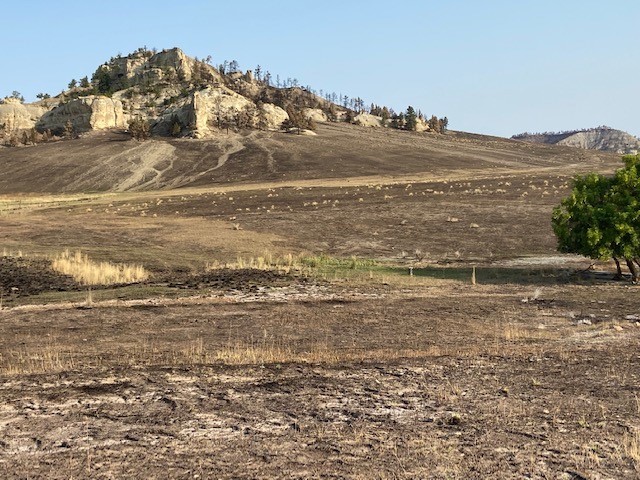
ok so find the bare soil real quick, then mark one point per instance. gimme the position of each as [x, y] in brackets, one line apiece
[436, 384]
[356, 372]
[29, 276]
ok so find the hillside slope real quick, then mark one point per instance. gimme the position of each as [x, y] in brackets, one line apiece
[111, 161]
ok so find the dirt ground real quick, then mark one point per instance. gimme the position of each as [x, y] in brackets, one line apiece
[427, 383]
[351, 369]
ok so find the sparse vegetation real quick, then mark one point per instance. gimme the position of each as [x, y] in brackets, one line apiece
[369, 352]
[139, 129]
[88, 272]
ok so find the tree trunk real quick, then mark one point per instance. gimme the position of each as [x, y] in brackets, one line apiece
[633, 269]
[618, 275]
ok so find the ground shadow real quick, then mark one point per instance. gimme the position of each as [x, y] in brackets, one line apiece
[497, 275]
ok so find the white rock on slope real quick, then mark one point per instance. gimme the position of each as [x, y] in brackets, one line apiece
[85, 113]
[15, 115]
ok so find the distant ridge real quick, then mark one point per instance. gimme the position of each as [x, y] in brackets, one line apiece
[599, 138]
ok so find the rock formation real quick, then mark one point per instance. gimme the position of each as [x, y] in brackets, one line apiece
[15, 115]
[176, 95]
[601, 138]
[84, 113]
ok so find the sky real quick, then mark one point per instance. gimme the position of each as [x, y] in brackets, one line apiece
[497, 67]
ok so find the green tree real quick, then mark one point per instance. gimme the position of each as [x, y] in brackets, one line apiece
[411, 119]
[84, 82]
[102, 81]
[601, 217]
[73, 83]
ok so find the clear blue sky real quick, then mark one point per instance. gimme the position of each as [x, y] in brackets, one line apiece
[494, 66]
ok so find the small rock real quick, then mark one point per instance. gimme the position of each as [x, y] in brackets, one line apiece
[632, 317]
[453, 418]
[618, 328]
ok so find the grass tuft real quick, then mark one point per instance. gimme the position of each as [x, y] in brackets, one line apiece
[88, 272]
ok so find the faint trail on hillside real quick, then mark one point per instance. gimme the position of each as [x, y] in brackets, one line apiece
[235, 147]
[149, 160]
[271, 162]
[140, 166]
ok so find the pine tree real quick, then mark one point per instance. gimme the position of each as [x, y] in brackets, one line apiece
[411, 119]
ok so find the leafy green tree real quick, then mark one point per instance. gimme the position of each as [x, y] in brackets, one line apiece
[73, 83]
[601, 217]
[84, 82]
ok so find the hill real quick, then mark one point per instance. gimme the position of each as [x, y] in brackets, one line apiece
[601, 138]
[211, 126]
[176, 95]
[111, 161]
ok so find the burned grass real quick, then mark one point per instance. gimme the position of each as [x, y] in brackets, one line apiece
[449, 384]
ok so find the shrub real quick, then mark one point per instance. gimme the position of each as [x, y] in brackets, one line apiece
[139, 128]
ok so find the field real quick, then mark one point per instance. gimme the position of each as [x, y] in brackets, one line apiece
[310, 312]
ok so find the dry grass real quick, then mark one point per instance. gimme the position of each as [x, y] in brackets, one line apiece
[267, 261]
[48, 359]
[87, 272]
[280, 351]
[631, 448]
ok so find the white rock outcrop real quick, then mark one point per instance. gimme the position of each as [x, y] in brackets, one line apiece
[367, 120]
[85, 113]
[15, 115]
[315, 114]
[274, 115]
[218, 106]
[422, 126]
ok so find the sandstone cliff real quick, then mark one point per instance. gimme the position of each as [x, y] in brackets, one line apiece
[601, 138]
[84, 113]
[15, 116]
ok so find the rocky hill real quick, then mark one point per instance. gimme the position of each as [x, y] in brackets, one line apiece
[601, 138]
[175, 95]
